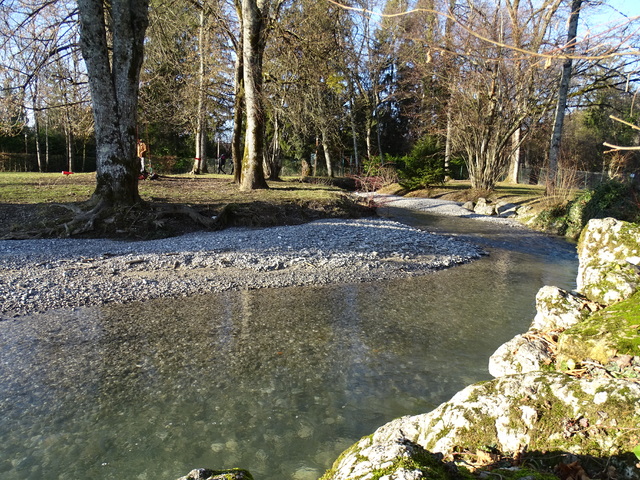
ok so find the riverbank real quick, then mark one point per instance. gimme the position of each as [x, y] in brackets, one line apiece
[44, 274]
[566, 398]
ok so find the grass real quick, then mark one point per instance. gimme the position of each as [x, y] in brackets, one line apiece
[30, 203]
[32, 188]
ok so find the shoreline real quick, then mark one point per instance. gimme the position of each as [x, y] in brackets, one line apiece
[46, 274]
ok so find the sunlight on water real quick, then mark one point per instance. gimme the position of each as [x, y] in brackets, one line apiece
[275, 381]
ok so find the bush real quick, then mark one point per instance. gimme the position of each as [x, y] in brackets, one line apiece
[609, 199]
[170, 164]
[424, 166]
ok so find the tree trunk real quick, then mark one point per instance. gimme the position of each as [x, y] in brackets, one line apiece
[68, 138]
[200, 163]
[238, 113]
[114, 72]
[563, 93]
[254, 24]
[447, 145]
[46, 142]
[514, 166]
[354, 135]
[274, 164]
[327, 153]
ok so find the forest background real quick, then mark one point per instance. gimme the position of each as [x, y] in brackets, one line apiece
[471, 88]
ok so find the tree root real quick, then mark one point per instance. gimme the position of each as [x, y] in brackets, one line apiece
[212, 223]
[83, 222]
[140, 220]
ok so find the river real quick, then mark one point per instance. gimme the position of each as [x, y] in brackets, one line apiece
[277, 381]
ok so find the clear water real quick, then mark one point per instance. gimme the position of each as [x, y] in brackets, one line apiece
[279, 382]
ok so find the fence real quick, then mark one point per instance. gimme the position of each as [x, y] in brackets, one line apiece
[573, 178]
[28, 162]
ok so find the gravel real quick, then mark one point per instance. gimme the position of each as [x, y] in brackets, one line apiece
[437, 207]
[39, 275]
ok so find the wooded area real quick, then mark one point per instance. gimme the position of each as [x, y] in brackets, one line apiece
[331, 87]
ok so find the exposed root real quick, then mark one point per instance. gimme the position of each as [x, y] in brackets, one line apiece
[84, 222]
[212, 223]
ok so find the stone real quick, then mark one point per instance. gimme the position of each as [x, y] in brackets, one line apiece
[558, 309]
[506, 209]
[607, 250]
[469, 206]
[611, 333]
[206, 474]
[394, 459]
[483, 207]
[522, 354]
[543, 412]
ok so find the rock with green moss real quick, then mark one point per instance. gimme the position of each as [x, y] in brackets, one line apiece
[609, 253]
[558, 309]
[611, 332]
[394, 459]
[536, 412]
[206, 474]
[522, 354]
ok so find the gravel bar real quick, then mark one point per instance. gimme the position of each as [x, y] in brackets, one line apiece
[39, 275]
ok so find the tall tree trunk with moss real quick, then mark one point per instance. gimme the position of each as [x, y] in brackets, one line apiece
[238, 113]
[255, 18]
[114, 72]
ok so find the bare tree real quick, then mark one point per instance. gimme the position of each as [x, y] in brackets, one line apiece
[114, 71]
[563, 93]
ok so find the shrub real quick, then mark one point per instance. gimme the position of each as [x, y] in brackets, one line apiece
[424, 166]
[609, 199]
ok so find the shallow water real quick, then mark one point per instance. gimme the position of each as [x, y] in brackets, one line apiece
[275, 381]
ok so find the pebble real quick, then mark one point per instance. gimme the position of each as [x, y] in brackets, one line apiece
[44, 274]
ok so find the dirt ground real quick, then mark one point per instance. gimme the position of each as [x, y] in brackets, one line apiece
[169, 207]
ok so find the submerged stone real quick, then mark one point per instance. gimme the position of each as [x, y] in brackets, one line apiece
[206, 474]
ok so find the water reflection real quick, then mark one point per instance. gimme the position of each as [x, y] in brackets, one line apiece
[276, 381]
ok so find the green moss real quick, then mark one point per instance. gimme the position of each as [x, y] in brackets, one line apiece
[524, 473]
[353, 449]
[614, 330]
[430, 466]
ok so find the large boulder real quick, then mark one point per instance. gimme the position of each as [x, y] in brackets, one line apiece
[534, 412]
[525, 353]
[609, 253]
[483, 207]
[557, 309]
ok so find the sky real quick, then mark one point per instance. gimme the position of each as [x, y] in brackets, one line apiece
[612, 13]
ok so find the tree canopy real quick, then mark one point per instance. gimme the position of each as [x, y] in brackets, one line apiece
[278, 85]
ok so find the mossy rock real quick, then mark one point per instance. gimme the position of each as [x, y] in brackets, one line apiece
[609, 332]
[609, 252]
[549, 414]
[206, 474]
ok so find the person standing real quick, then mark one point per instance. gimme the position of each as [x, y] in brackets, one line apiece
[141, 150]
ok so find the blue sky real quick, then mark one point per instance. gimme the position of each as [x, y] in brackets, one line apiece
[613, 12]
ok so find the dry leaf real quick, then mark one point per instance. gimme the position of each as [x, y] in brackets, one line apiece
[572, 471]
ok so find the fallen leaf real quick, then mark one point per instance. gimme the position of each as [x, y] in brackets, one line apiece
[572, 471]
[486, 458]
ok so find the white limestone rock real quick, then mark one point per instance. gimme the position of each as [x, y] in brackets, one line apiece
[608, 251]
[483, 207]
[536, 411]
[558, 309]
[522, 354]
